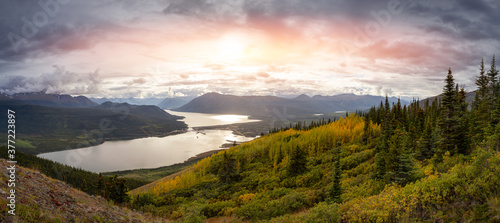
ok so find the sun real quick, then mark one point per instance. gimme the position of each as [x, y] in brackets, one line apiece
[231, 47]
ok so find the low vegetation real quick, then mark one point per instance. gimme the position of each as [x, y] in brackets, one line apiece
[392, 164]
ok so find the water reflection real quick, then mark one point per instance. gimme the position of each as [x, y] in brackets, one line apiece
[154, 151]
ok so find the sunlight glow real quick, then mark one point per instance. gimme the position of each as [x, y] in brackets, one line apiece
[231, 47]
[231, 118]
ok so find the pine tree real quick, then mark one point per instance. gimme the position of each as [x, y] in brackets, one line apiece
[100, 185]
[480, 106]
[448, 121]
[367, 134]
[85, 186]
[380, 169]
[462, 138]
[336, 189]
[227, 169]
[493, 90]
[426, 142]
[405, 167]
[297, 162]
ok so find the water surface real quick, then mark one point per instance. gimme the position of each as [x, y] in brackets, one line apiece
[154, 152]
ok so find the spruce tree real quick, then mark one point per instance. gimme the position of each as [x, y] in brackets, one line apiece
[405, 167]
[227, 169]
[100, 185]
[426, 142]
[448, 121]
[480, 107]
[336, 189]
[380, 169]
[297, 162]
[367, 133]
[462, 137]
[493, 91]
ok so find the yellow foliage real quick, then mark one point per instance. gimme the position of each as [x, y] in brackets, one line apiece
[314, 141]
[245, 197]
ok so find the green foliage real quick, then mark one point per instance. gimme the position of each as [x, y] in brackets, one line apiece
[393, 164]
[336, 189]
[297, 161]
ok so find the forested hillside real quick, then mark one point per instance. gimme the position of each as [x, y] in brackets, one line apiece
[47, 129]
[436, 163]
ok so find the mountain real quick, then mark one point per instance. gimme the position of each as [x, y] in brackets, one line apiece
[45, 129]
[42, 199]
[303, 97]
[145, 111]
[170, 103]
[269, 105]
[134, 101]
[469, 98]
[52, 100]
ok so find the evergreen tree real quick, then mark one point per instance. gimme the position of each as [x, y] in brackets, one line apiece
[336, 189]
[405, 168]
[493, 91]
[480, 106]
[297, 162]
[380, 169]
[448, 121]
[100, 185]
[84, 186]
[367, 133]
[227, 169]
[462, 137]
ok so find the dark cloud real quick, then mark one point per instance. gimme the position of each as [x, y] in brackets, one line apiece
[59, 81]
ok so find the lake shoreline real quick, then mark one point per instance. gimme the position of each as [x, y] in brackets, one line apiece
[116, 139]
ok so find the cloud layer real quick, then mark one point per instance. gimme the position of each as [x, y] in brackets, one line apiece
[164, 48]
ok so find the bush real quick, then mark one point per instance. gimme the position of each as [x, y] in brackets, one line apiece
[142, 200]
[217, 208]
[323, 212]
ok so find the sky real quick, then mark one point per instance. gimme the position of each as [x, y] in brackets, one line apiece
[177, 48]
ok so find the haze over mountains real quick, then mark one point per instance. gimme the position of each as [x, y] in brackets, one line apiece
[51, 122]
[266, 105]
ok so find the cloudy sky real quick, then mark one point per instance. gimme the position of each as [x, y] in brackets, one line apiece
[162, 48]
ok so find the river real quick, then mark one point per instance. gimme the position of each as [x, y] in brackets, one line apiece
[154, 152]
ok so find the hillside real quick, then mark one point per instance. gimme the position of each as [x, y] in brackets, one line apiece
[171, 103]
[290, 176]
[266, 106]
[44, 129]
[43, 199]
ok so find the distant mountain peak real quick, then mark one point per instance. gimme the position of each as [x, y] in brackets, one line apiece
[303, 97]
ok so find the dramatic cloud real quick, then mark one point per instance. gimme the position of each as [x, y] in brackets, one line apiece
[165, 48]
[59, 81]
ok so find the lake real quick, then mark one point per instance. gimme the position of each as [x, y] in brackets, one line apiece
[154, 152]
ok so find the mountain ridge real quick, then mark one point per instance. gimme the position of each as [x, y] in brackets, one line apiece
[267, 105]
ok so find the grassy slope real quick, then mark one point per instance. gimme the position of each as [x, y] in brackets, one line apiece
[466, 187]
[150, 175]
[43, 199]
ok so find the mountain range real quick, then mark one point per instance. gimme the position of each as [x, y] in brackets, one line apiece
[49, 122]
[264, 106]
[51, 100]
